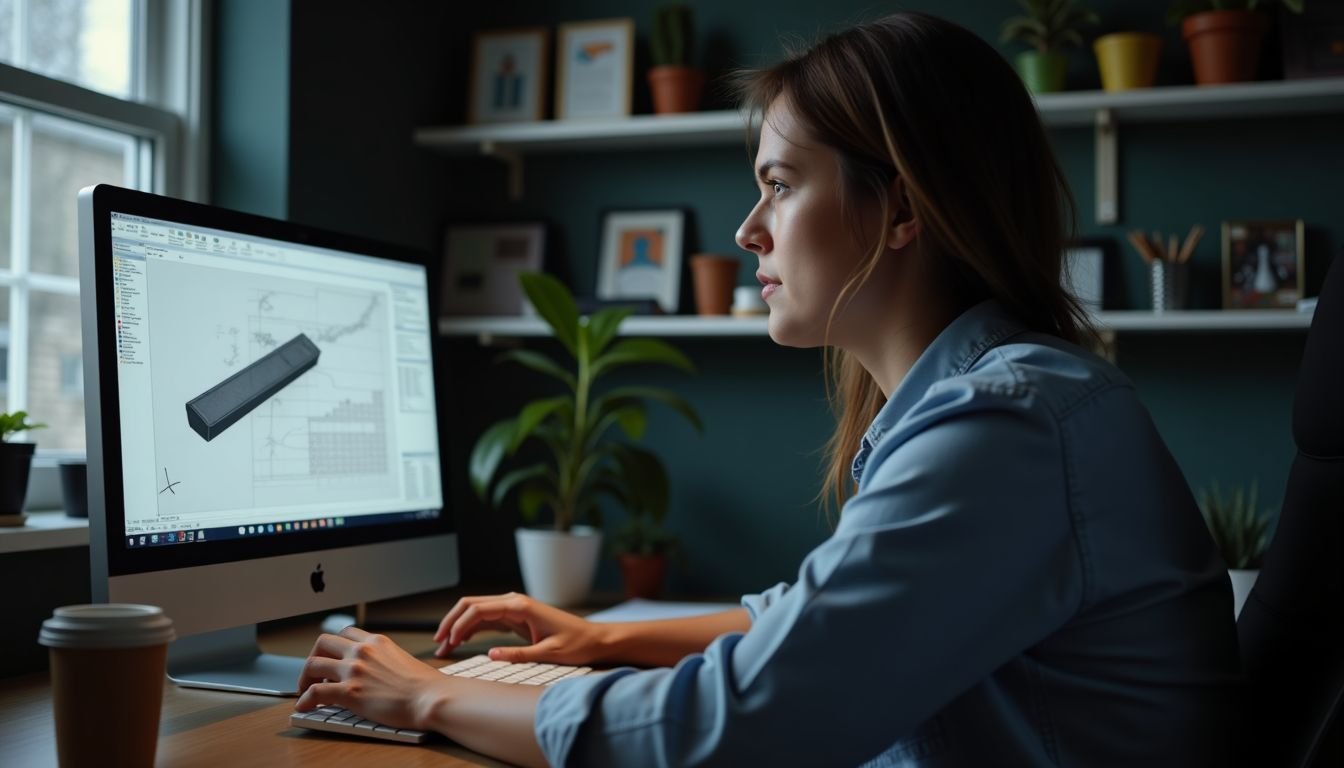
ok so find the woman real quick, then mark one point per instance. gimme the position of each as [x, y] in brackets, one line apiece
[1019, 575]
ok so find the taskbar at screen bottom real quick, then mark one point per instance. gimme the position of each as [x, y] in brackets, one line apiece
[257, 530]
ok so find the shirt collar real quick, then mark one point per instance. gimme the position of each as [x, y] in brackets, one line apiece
[952, 353]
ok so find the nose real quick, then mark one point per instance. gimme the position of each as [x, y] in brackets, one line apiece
[753, 235]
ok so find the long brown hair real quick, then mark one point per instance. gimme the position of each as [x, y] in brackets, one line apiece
[918, 97]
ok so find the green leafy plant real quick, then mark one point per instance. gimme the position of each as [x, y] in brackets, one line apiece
[588, 437]
[1239, 530]
[1182, 8]
[670, 43]
[1048, 24]
[11, 423]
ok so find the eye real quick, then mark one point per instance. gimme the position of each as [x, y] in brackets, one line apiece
[778, 187]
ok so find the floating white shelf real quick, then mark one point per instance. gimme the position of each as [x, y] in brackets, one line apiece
[45, 530]
[487, 329]
[1075, 108]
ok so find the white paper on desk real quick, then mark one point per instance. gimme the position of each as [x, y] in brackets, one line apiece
[640, 609]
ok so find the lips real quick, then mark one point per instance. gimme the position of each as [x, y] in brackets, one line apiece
[768, 284]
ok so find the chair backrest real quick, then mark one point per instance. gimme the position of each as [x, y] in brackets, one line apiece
[1292, 626]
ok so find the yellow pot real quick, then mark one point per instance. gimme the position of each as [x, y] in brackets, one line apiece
[1127, 60]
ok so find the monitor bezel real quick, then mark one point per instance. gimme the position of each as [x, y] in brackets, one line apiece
[104, 426]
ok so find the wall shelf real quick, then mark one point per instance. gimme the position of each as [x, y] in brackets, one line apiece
[1103, 110]
[488, 329]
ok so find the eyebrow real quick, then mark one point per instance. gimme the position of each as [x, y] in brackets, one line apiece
[771, 164]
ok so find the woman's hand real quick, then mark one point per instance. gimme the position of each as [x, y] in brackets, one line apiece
[371, 676]
[556, 636]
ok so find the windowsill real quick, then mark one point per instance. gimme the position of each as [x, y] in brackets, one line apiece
[50, 529]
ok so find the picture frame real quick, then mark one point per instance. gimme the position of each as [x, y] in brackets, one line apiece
[508, 76]
[481, 263]
[641, 256]
[594, 68]
[1087, 262]
[1263, 263]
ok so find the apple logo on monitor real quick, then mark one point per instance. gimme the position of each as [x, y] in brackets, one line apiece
[316, 579]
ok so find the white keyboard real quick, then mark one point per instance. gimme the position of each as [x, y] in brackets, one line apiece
[338, 720]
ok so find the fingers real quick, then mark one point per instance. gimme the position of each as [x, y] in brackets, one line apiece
[331, 646]
[322, 693]
[457, 610]
[505, 610]
[318, 669]
[517, 655]
[355, 633]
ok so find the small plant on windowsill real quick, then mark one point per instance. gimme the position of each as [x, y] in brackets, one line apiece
[15, 462]
[1240, 531]
[642, 545]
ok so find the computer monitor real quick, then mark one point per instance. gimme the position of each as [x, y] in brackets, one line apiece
[262, 429]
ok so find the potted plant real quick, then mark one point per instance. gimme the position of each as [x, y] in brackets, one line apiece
[1048, 26]
[16, 460]
[641, 544]
[1224, 36]
[1241, 534]
[674, 83]
[588, 440]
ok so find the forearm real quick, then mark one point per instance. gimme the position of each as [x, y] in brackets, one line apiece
[663, 643]
[488, 717]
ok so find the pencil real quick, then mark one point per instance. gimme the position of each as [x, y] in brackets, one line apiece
[1140, 245]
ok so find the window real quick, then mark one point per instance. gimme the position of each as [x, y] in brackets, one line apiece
[91, 91]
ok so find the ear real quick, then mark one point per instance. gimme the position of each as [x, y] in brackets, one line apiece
[904, 227]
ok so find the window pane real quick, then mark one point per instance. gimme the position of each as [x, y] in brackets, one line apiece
[55, 371]
[4, 350]
[84, 41]
[6, 179]
[68, 156]
[6, 24]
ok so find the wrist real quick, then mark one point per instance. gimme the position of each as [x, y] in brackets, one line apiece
[429, 705]
[610, 641]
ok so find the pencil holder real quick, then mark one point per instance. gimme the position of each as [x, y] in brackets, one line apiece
[1168, 279]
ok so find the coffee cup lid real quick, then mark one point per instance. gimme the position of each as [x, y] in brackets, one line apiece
[106, 625]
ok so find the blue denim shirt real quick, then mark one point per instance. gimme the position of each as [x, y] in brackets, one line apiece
[1022, 578]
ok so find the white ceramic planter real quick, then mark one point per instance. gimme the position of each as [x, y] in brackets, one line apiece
[558, 568]
[1242, 581]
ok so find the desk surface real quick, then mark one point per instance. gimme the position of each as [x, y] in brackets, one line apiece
[217, 728]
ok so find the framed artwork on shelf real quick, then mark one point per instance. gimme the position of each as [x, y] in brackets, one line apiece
[641, 256]
[594, 66]
[481, 266]
[1263, 264]
[1086, 262]
[508, 76]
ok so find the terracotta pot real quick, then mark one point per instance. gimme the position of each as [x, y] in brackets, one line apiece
[643, 575]
[676, 89]
[714, 277]
[1041, 72]
[1224, 45]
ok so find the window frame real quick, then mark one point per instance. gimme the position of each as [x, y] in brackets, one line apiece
[167, 112]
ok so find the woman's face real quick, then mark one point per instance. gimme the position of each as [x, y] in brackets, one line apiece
[806, 246]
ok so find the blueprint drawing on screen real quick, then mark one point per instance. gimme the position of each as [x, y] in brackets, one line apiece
[325, 436]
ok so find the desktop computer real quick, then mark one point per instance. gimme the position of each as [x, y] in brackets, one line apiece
[262, 426]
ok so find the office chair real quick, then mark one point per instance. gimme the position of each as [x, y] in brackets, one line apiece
[1292, 626]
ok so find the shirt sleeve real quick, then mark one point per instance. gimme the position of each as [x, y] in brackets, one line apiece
[757, 603]
[956, 555]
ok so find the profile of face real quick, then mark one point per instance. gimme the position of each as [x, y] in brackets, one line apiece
[806, 245]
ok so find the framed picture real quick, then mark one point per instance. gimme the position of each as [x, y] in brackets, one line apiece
[508, 76]
[1085, 265]
[641, 256]
[481, 266]
[594, 62]
[1263, 264]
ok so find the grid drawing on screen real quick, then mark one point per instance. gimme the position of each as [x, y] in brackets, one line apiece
[262, 381]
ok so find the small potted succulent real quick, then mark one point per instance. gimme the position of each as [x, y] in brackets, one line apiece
[1224, 36]
[1241, 532]
[674, 83]
[642, 545]
[16, 460]
[589, 440]
[1047, 27]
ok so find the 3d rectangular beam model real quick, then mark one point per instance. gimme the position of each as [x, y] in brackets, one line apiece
[217, 408]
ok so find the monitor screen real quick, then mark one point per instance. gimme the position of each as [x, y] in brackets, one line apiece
[259, 393]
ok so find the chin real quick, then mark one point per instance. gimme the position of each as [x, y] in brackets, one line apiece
[792, 333]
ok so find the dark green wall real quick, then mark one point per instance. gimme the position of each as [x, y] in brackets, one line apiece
[743, 492]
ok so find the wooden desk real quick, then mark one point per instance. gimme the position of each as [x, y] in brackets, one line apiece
[217, 728]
